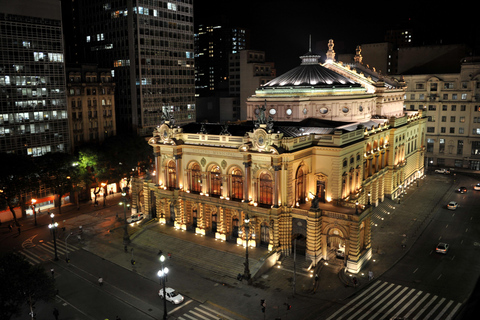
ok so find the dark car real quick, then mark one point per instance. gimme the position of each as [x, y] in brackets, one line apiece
[462, 190]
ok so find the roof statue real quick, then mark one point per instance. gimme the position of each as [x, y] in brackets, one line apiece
[167, 117]
[331, 52]
[358, 55]
[262, 119]
[224, 131]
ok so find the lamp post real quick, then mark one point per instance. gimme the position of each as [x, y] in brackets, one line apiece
[54, 226]
[246, 272]
[104, 192]
[162, 273]
[33, 209]
[126, 237]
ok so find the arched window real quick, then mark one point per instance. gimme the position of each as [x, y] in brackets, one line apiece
[266, 189]
[215, 181]
[300, 186]
[172, 175]
[196, 178]
[237, 184]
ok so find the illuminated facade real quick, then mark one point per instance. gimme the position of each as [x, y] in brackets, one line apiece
[33, 109]
[293, 174]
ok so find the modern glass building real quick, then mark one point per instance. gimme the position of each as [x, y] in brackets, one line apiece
[33, 109]
[149, 45]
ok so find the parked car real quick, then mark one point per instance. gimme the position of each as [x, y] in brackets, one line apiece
[172, 296]
[462, 190]
[443, 170]
[476, 187]
[340, 253]
[135, 218]
[442, 248]
[452, 205]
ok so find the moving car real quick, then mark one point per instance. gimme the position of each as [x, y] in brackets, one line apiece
[462, 190]
[477, 186]
[452, 205]
[172, 296]
[442, 248]
[443, 170]
[135, 218]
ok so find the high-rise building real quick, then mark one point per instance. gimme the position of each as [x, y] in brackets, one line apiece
[33, 109]
[149, 45]
[213, 45]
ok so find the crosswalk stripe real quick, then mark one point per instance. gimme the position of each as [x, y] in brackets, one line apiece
[207, 313]
[454, 311]
[425, 308]
[444, 310]
[381, 301]
[29, 258]
[405, 306]
[186, 315]
[417, 305]
[222, 315]
[47, 248]
[372, 300]
[435, 308]
[391, 301]
[333, 316]
[199, 315]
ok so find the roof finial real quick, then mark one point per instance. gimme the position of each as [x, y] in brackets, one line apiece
[310, 43]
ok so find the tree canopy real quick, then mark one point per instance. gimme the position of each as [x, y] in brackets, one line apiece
[22, 284]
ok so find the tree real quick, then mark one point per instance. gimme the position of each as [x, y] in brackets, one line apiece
[58, 173]
[126, 156]
[22, 284]
[93, 169]
[18, 177]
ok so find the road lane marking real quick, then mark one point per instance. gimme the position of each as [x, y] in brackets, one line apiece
[439, 276]
[454, 311]
[415, 270]
[183, 305]
[417, 305]
[223, 316]
[378, 303]
[408, 304]
[425, 308]
[391, 301]
[435, 308]
[354, 300]
[444, 310]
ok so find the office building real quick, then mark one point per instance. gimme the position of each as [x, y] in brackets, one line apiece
[91, 101]
[33, 108]
[149, 46]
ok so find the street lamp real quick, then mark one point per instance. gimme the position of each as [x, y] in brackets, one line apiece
[162, 273]
[126, 237]
[356, 207]
[104, 193]
[54, 226]
[33, 209]
[246, 272]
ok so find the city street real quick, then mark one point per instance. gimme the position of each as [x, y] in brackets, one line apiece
[410, 280]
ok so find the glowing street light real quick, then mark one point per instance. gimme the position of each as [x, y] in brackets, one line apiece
[54, 226]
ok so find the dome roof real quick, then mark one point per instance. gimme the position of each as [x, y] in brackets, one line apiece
[311, 74]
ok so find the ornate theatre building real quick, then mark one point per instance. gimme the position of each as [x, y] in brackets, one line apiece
[322, 145]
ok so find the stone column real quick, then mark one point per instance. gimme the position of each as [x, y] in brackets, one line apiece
[156, 154]
[178, 164]
[246, 186]
[314, 236]
[277, 182]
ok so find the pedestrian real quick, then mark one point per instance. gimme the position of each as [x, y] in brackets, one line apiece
[100, 281]
[160, 252]
[125, 248]
[169, 255]
[355, 282]
[56, 313]
[370, 275]
[19, 230]
[316, 277]
[10, 227]
[53, 272]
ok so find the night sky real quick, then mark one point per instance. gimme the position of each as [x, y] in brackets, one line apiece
[282, 28]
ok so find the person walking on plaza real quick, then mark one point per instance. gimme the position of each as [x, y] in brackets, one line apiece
[100, 281]
[370, 275]
[56, 313]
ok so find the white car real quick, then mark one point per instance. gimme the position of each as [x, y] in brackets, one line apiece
[444, 171]
[476, 187]
[172, 296]
[442, 248]
[452, 205]
[135, 218]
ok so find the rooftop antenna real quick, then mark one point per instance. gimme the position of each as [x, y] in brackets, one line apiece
[310, 43]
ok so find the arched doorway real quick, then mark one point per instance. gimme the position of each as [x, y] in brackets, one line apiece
[264, 235]
[235, 227]
[336, 244]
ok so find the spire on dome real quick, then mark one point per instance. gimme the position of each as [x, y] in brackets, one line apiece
[309, 57]
[330, 52]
